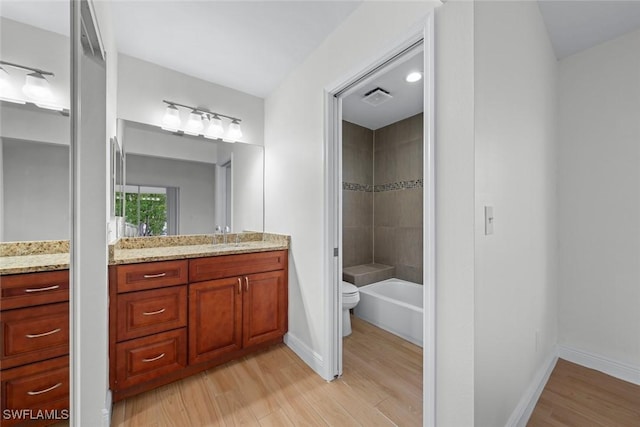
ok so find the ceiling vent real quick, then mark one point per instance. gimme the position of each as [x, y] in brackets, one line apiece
[376, 97]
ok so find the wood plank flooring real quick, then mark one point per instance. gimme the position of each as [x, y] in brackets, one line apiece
[579, 396]
[381, 386]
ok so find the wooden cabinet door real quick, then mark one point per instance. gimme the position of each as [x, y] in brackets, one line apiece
[31, 334]
[264, 307]
[215, 318]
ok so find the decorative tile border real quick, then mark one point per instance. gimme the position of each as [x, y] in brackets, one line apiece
[400, 185]
[367, 188]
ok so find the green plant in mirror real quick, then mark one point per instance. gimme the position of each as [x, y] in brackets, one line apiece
[147, 211]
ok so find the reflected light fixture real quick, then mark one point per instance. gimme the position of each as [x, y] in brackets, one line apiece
[36, 87]
[200, 122]
[4, 79]
[234, 132]
[413, 77]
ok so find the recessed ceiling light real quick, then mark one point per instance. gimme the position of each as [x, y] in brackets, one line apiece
[414, 76]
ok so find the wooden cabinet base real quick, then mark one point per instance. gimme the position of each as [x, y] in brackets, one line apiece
[123, 393]
[165, 325]
[35, 394]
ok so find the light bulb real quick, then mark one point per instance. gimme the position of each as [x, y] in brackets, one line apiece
[194, 124]
[413, 77]
[234, 132]
[171, 119]
[36, 87]
[215, 129]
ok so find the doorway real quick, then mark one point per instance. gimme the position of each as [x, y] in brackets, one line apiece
[423, 42]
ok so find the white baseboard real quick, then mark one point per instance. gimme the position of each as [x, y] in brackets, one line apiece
[600, 363]
[304, 352]
[520, 415]
[106, 411]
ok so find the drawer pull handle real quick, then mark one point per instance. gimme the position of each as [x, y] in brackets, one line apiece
[153, 359]
[44, 334]
[151, 313]
[154, 276]
[246, 284]
[46, 390]
[48, 288]
[239, 285]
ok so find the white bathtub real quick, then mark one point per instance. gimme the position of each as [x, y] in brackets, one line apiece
[394, 305]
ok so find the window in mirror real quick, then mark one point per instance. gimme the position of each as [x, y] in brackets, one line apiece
[149, 211]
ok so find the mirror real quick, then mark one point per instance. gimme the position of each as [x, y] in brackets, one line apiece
[179, 184]
[116, 184]
[34, 126]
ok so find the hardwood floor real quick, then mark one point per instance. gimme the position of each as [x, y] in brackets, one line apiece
[381, 386]
[578, 396]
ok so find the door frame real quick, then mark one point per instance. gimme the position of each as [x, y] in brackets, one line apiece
[333, 210]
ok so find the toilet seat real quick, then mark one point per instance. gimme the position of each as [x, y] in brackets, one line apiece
[349, 289]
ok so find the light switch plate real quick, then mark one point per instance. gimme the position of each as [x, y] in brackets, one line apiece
[488, 220]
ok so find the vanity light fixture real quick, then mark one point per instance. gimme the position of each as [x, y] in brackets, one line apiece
[194, 124]
[215, 129]
[200, 122]
[414, 77]
[171, 119]
[234, 132]
[36, 87]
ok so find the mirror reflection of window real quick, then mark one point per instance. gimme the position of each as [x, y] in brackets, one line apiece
[149, 211]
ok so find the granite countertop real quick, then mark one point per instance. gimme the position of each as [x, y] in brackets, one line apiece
[31, 257]
[146, 249]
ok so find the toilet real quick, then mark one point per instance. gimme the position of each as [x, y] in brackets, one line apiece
[350, 298]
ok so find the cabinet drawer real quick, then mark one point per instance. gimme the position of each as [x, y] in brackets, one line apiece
[201, 269]
[137, 277]
[25, 290]
[38, 386]
[147, 312]
[144, 359]
[32, 334]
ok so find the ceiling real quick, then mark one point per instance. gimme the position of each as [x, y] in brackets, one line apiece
[246, 45]
[406, 101]
[251, 46]
[577, 25]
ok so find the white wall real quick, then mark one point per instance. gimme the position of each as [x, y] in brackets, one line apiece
[599, 200]
[142, 86]
[515, 275]
[294, 179]
[454, 163]
[36, 195]
[195, 183]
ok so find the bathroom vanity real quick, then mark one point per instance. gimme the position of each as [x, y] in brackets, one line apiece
[34, 319]
[181, 304]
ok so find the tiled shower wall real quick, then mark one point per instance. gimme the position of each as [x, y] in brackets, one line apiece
[382, 196]
[357, 195]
